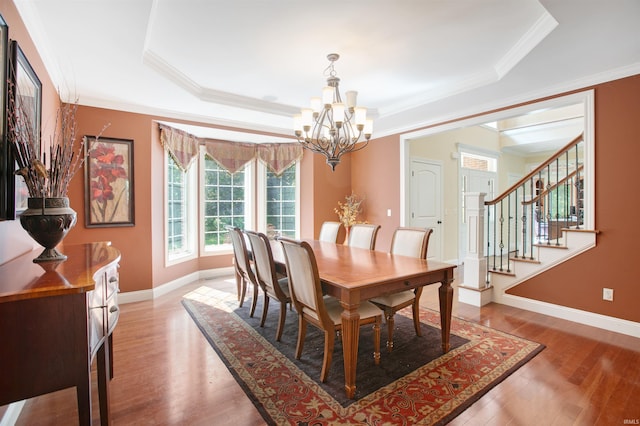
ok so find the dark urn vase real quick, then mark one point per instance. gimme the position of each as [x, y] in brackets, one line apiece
[48, 224]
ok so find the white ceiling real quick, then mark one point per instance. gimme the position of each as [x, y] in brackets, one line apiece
[254, 63]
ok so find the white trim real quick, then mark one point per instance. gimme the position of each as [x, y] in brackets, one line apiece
[501, 104]
[161, 290]
[604, 322]
[191, 213]
[10, 416]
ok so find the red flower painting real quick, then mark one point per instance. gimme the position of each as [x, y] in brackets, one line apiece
[108, 180]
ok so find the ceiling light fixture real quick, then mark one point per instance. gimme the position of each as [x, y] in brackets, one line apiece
[329, 127]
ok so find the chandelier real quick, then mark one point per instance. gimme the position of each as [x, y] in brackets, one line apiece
[329, 127]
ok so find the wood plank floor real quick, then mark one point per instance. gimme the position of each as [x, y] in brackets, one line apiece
[167, 374]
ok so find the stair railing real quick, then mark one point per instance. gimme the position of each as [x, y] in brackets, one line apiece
[535, 209]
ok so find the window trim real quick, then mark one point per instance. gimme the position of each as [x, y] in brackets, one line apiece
[190, 253]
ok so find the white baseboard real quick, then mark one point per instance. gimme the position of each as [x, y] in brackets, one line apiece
[10, 416]
[150, 294]
[592, 319]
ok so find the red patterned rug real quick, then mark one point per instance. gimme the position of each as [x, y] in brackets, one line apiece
[415, 384]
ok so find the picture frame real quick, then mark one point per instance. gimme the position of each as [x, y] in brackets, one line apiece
[27, 94]
[109, 184]
[6, 172]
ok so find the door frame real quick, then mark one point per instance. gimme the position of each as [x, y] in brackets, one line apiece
[455, 122]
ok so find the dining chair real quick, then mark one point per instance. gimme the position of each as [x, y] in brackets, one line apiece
[324, 312]
[273, 287]
[363, 235]
[412, 242]
[244, 269]
[329, 231]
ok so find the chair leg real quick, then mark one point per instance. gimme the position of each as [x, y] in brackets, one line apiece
[265, 308]
[283, 316]
[376, 340]
[239, 286]
[243, 290]
[390, 325]
[302, 331]
[329, 339]
[254, 301]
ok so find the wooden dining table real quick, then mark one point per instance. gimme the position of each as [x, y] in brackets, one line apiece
[353, 275]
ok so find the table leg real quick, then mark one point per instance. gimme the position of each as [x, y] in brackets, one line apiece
[446, 306]
[350, 339]
[104, 376]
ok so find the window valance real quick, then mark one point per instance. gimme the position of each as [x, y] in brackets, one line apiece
[181, 146]
[232, 156]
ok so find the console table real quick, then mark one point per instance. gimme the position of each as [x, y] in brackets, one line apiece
[54, 319]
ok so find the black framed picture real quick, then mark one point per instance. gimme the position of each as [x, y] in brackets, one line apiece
[6, 172]
[108, 173]
[26, 90]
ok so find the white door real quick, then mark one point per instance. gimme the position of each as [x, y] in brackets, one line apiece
[426, 203]
[474, 181]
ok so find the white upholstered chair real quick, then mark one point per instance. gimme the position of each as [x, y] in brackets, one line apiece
[329, 232]
[273, 287]
[363, 235]
[412, 242]
[325, 312]
[244, 269]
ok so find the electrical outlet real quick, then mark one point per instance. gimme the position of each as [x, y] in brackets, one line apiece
[607, 294]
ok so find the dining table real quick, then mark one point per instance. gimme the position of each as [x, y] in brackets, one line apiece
[353, 275]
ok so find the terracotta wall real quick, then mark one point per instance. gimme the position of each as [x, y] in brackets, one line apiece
[373, 173]
[13, 239]
[578, 283]
[614, 262]
[142, 246]
[376, 177]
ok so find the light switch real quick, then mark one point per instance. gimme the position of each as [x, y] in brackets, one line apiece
[389, 212]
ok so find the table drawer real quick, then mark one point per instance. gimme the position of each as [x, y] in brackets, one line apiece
[113, 312]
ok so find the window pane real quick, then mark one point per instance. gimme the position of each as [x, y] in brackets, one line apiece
[177, 238]
[224, 198]
[281, 202]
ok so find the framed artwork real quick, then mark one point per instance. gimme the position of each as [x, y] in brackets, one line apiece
[108, 181]
[6, 172]
[27, 93]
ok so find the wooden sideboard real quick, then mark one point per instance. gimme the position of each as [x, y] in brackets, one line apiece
[54, 319]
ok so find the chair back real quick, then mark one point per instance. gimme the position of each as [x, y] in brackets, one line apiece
[329, 232]
[363, 235]
[304, 280]
[240, 253]
[412, 242]
[265, 267]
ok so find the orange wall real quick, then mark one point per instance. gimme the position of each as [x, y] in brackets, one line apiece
[578, 283]
[376, 177]
[614, 262]
[372, 173]
[14, 240]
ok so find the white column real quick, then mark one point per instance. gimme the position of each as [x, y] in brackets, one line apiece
[475, 290]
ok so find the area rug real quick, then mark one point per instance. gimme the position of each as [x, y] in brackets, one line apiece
[413, 385]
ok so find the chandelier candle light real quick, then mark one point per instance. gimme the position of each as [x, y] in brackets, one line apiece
[330, 127]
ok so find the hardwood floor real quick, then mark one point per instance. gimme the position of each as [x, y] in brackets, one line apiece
[167, 374]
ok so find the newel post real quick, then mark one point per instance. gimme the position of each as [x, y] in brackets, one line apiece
[475, 290]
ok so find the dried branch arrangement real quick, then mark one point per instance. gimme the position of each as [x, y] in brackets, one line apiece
[46, 174]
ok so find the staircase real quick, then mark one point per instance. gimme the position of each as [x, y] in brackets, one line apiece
[536, 224]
